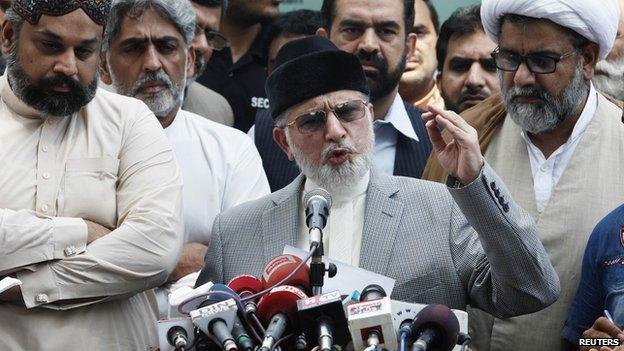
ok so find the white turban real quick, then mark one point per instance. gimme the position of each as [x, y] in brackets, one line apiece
[596, 20]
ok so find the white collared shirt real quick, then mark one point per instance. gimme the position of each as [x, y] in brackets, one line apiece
[342, 237]
[221, 168]
[386, 134]
[546, 172]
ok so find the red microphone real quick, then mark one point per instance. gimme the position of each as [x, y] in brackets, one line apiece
[280, 267]
[278, 309]
[244, 286]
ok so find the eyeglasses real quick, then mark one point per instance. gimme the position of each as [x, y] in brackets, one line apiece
[215, 40]
[345, 112]
[537, 64]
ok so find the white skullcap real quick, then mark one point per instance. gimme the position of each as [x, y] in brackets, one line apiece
[596, 20]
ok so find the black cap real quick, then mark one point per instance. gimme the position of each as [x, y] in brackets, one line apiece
[309, 67]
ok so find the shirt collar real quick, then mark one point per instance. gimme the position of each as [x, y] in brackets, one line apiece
[344, 194]
[584, 119]
[398, 118]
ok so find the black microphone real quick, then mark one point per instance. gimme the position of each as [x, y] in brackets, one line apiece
[436, 328]
[323, 319]
[278, 309]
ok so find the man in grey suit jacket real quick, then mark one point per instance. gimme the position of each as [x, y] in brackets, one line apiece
[468, 243]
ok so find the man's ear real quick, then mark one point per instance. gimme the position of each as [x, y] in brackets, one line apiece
[7, 37]
[322, 32]
[591, 54]
[105, 75]
[190, 62]
[279, 135]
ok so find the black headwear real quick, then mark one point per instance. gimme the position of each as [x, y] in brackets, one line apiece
[309, 67]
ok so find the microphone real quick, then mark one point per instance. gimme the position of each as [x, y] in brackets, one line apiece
[216, 320]
[244, 286]
[317, 202]
[278, 309]
[243, 340]
[175, 333]
[322, 318]
[370, 320]
[280, 267]
[436, 328]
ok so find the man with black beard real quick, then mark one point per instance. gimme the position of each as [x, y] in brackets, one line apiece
[90, 192]
[555, 140]
[238, 72]
[381, 39]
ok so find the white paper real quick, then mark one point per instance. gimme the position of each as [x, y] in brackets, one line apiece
[8, 282]
[348, 278]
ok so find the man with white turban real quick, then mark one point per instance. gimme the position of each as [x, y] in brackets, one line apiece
[561, 151]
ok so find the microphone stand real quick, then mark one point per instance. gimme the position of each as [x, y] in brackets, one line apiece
[317, 266]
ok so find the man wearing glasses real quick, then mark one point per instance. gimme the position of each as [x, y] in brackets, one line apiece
[238, 72]
[198, 98]
[453, 244]
[555, 140]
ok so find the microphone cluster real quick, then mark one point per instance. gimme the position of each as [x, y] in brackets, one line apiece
[275, 312]
[285, 309]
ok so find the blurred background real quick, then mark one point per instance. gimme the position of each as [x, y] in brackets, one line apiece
[444, 7]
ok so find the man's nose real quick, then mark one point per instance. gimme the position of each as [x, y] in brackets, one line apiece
[369, 41]
[334, 130]
[523, 76]
[66, 64]
[152, 59]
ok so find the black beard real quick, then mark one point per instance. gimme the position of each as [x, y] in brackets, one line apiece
[40, 96]
[382, 83]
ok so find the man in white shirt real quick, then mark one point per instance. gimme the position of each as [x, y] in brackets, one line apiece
[90, 193]
[555, 141]
[148, 55]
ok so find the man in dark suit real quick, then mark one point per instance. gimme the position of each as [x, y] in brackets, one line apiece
[466, 242]
[381, 39]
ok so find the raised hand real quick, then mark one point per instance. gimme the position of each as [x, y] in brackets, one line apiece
[461, 157]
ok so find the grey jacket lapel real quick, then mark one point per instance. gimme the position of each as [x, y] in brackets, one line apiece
[280, 222]
[381, 222]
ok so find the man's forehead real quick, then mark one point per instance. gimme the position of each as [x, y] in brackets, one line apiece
[75, 26]
[150, 24]
[534, 35]
[422, 15]
[360, 10]
[476, 45]
[329, 98]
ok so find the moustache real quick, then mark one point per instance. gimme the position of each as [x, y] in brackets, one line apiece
[73, 85]
[472, 93]
[151, 77]
[344, 145]
[372, 59]
[527, 92]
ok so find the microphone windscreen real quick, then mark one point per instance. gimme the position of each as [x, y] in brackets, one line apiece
[443, 320]
[372, 292]
[318, 192]
[280, 267]
[282, 299]
[245, 284]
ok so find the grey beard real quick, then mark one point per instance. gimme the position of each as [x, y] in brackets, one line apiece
[332, 177]
[161, 103]
[609, 78]
[545, 116]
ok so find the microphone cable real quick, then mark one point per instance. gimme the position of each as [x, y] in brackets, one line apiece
[281, 341]
[286, 279]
